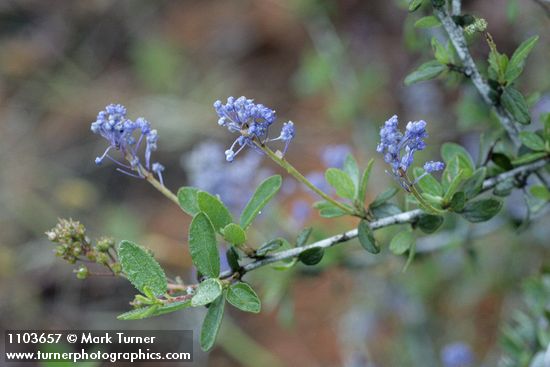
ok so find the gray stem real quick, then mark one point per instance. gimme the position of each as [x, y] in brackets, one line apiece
[457, 4]
[401, 218]
[470, 69]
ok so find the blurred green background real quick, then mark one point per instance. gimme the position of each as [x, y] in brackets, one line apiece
[336, 69]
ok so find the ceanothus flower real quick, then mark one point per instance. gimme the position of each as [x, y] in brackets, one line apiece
[251, 121]
[113, 125]
[398, 148]
[433, 166]
[287, 134]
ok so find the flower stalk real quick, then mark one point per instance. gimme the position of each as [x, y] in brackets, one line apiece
[281, 161]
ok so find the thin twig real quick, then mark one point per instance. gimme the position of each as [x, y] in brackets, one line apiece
[459, 42]
[457, 5]
[401, 218]
[150, 177]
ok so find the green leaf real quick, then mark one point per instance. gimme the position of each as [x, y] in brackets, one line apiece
[497, 64]
[427, 22]
[263, 194]
[528, 158]
[521, 53]
[517, 61]
[531, 140]
[426, 71]
[211, 324]
[207, 292]
[203, 246]
[154, 310]
[187, 197]
[436, 201]
[362, 192]
[286, 264]
[502, 161]
[540, 192]
[428, 183]
[429, 223]
[233, 233]
[328, 210]
[505, 187]
[414, 5]
[270, 246]
[172, 307]
[514, 102]
[410, 258]
[312, 256]
[442, 54]
[402, 242]
[141, 269]
[481, 210]
[465, 161]
[139, 313]
[303, 236]
[383, 197]
[341, 181]
[350, 167]
[458, 201]
[217, 212]
[453, 186]
[242, 296]
[473, 185]
[452, 170]
[366, 237]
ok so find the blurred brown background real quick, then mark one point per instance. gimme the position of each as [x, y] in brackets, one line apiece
[336, 69]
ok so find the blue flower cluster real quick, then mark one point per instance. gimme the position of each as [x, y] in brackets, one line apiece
[398, 148]
[251, 121]
[120, 132]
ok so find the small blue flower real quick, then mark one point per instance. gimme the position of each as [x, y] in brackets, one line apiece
[113, 125]
[251, 121]
[287, 134]
[399, 149]
[457, 355]
[433, 166]
[158, 169]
